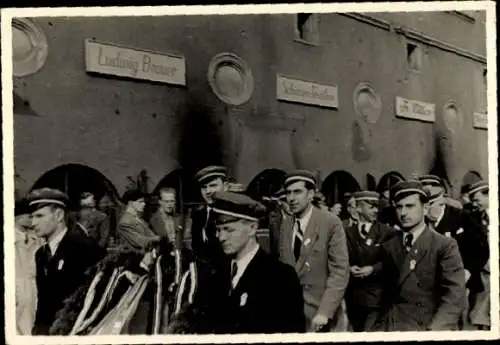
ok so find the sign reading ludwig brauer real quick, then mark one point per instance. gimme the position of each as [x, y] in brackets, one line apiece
[299, 91]
[108, 58]
[415, 110]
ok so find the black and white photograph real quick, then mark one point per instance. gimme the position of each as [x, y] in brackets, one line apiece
[314, 172]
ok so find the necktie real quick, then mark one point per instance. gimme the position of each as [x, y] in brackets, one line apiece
[298, 241]
[234, 271]
[47, 255]
[364, 232]
[204, 231]
[408, 241]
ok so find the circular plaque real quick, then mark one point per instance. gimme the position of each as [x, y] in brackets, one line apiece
[230, 78]
[452, 116]
[367, 103]
[29, 47]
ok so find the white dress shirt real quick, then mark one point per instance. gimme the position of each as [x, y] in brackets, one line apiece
[367, 226]
[441, 215]
[242, 264]
[416, 234]
[56, 240]
[304, 221]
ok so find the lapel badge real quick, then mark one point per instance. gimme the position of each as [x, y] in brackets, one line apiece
[447, 234]
[60, 265]
[243, 299]
[412, 264]
[307, 241]
[459, 231]
[369, 242]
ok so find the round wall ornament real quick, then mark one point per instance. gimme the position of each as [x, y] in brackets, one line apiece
[367, 103]
[29, 47]
[230, 78]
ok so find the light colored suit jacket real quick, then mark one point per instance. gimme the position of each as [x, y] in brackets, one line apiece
[134, 232]
[323, 264]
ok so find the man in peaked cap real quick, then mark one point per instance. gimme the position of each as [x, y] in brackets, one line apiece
[265, 295]
[313, 241]
[423, 275]
[480, 298]
[204, 242]
[363, 242]
[62, 261]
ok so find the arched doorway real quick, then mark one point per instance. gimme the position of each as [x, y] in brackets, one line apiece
[266, 183]
[74, 179]
[336, 185]
[388, 180]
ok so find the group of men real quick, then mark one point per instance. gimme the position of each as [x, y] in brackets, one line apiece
[427, 269]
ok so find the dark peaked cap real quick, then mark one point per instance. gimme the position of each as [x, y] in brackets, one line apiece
[477, 187]
[42, 197]
[300, 175]
[231, 207]
[211, 172]
[431, 180]
[409, 187]
[367, 195]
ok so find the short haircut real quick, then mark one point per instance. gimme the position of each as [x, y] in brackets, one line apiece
[133, 195]
[167, 190]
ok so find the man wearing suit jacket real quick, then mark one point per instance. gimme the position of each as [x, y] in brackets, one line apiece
[313, 241]
[423, 273]
[165, 222]
[133, 231]
[62, 261]
[265, 295]
[363, 242]
[203, 239]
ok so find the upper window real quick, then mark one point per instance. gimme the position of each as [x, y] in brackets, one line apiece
[414, 57]
[306, 28]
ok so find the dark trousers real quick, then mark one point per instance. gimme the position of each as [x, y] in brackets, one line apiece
[358, 316]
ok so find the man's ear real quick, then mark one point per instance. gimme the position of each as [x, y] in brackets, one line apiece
[225, 186]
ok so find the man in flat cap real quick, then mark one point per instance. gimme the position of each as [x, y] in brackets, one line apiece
[265, 295]
[423, 273]
[459, 224]
[363, 242]
[313, 241]
[62, 261]
[480, 297]
[203, 238]
[133, 231]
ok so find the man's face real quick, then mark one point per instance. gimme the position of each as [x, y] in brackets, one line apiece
[435, 208]
[351, 208]
[88, 201]
[45, 220]
[298, 197]
[367, 211]
[139, 205]
[167, 202]
[336, 209]
[480, 201]
[235, 236]
[212, 186]
[410, 211]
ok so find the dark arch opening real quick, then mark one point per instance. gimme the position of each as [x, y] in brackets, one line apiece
[388, 180]
[336, 185]
[266, 183]
[73, 179]
[469, 178]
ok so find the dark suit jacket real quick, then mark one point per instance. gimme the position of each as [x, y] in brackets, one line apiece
[472, 241]
[267, 299]
[366, 292]
[423, 289]
[134, 232]
[159, 228]
[96, 224]
[323, 264]
[59, 277]
[211, 249]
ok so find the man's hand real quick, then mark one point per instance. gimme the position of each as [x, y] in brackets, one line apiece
[318, 322]
[148, 260]
[354, 270]
[365, 271]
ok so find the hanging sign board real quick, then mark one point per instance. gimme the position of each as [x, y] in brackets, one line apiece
[415, 110]
[299, 91]
[109, 58]
[480, 120]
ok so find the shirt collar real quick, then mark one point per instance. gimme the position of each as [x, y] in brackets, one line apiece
[55, 241]
[367, 225]
[441, 215]
[243, 262]
[304, 220]
[416, 233]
